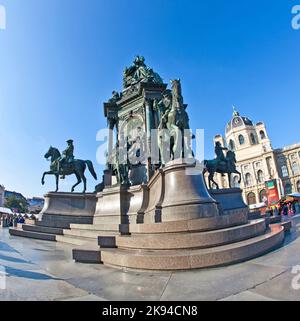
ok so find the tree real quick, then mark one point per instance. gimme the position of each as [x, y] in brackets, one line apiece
[16, 204]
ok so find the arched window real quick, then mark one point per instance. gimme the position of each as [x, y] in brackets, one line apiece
[260, 177]
[295, 168]
[248, 179]
[262, 134]
[253, 139]
[231, 145]
[235, 182]
[263, 195]
[242, 140]
[251, 199]
[288, 188]
[284, 170]
[298, 186]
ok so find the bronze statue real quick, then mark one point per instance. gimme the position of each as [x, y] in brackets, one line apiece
[174, 123]
[139, 72]
[67, 156]
[67, 165]
[222, 165]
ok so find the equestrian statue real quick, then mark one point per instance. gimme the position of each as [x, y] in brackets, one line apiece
[65, 165]
[174, 139]
[222, 165]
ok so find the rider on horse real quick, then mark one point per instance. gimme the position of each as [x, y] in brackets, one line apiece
[219, 152]
[67, 156]
[222, 160]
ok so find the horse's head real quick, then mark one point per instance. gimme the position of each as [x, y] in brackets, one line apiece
[52, 152]
[231, 156]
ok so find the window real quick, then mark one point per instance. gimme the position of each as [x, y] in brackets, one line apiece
[235, 182]
[260, 177]
[262, 134]
[248, 179]
[253, 139]
[295, 168]
[288, 188]
[298, 186]
[251, 199]
[263, 196]
[231, 145]
[284, 170]
[242, 140]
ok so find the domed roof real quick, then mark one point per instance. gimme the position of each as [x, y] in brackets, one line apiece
[238, 121]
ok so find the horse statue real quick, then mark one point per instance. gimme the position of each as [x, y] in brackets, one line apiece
[217, 166]
[76, 167]
[174, 122]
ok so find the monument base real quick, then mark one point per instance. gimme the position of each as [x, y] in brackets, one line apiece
[60, 210]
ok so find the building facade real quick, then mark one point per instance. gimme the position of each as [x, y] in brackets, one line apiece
[258, 162]
[2, 191]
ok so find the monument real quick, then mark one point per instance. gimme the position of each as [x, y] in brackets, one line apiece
[153, 210]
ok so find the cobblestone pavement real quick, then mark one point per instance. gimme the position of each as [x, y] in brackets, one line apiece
[40, 270]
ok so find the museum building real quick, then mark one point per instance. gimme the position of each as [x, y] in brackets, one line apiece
[259, 164]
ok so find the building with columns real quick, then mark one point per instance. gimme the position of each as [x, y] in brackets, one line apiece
[258, 162]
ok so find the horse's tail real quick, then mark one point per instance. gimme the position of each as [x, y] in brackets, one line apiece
[205, 162]
[91, 168]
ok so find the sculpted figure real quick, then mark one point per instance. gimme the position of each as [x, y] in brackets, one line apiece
[68, 165]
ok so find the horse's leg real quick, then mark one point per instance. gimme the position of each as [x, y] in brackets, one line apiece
[78, 182]
[57, 180]
[80, 172]
[210, 180]
[213, 180]
[240, 174]
[46, 173]
[229, 180]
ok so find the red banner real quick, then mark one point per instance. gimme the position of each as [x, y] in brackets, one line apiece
[272, 192]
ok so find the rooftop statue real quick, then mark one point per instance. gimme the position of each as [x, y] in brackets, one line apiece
[139, 72]
[68, 165]
[222, 165]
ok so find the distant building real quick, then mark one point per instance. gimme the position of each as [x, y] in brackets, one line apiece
[36, 204]
[16, 194]
[258, 162]
[2, 190]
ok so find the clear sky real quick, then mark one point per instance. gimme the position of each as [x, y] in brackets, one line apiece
[60, 59]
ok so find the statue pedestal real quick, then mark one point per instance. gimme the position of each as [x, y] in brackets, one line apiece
[119, 205]
[176, 193]
[62, 209]
[230, 200]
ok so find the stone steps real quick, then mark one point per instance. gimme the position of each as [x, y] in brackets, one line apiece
[88, 233]
[195, 225]
[191, 240]
[96, 227]
[42, 229]
[88, 253]
[53, 224]
[33, 235]
[197, 258]
[76, 240]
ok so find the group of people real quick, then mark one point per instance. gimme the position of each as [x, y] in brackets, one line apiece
[7, 220]
[285, 208]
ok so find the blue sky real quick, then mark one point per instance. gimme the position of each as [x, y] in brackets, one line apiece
[60, 59]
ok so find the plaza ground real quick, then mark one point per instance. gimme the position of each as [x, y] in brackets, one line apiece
[40, 270]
